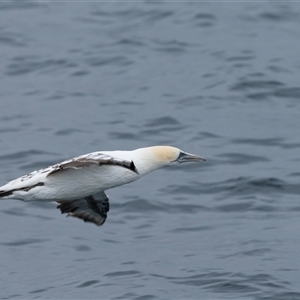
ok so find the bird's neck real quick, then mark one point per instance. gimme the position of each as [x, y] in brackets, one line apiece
[145, 162]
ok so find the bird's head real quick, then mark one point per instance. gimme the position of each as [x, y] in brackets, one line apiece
[168, 155]
[155, 157]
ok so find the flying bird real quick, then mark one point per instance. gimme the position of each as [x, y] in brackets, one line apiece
[78, 185]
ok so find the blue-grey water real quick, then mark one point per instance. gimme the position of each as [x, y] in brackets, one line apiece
[218, 79]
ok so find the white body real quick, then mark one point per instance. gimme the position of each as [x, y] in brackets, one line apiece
[73, 184]
[77, 183]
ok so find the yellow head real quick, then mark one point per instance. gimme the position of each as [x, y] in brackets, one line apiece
[152, 158]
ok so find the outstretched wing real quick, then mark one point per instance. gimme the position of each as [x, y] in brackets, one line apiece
[38, 178]
[88, 209]
[92, 159]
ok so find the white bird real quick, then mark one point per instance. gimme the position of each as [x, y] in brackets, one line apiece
[78, 185]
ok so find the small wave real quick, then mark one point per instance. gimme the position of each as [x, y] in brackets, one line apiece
[238, 158]
[239, 186]
[88, 283]
[21, 155]
[255, 84]
[27, 64]
[24, 242]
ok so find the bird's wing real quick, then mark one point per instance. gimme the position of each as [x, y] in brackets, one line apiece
[38, 178]
[92, 159]
[88, 209]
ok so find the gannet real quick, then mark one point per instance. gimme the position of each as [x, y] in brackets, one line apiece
[78, 185]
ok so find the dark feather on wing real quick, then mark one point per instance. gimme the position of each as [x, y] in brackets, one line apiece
[88, 209]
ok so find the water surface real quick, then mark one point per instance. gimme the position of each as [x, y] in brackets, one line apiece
[216, 79]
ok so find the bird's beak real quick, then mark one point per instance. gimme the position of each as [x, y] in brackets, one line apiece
[187, 157]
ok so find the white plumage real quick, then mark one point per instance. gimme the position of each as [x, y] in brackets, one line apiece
[79, 184]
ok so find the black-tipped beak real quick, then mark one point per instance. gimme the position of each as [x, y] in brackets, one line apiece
[187, 157]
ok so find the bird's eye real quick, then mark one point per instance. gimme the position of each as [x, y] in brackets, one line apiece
[181, 156]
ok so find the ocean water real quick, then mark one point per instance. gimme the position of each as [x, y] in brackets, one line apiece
[218, 79]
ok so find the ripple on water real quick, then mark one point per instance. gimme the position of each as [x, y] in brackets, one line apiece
[88, 283]
[24, 242]
[21, 155]
[239, 186]
[159, 125]
[239, 158]
[231, 284]
[27, 64]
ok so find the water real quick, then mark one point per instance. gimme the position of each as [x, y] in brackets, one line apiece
[215, 79]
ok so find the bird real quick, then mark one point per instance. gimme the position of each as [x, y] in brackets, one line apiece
[78, 185]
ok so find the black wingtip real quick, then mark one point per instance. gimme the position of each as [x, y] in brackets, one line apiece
[133, 168]
[5, 193]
